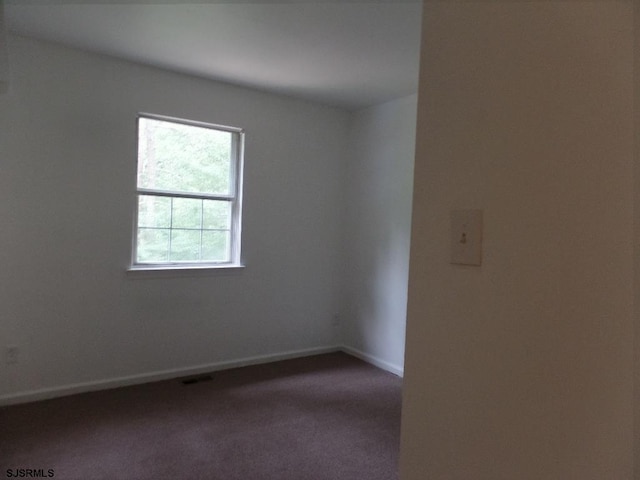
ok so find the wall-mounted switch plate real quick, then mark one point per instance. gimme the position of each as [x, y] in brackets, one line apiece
[466, 237]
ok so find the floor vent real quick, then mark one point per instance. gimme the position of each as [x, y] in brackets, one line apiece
[192, 380]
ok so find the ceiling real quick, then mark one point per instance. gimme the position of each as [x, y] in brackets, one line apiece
[347, 53]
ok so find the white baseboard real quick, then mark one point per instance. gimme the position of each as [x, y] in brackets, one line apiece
[71, 389]
[53, 392]
[384, 365]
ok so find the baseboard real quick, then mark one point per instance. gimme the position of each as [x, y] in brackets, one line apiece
[384, 365]
[71, 389]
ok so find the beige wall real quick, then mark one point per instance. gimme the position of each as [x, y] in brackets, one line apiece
[636, 256]
[523, 368]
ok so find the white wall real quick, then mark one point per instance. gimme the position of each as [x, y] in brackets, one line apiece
[377, 231]
[523, 368]
[67, 191]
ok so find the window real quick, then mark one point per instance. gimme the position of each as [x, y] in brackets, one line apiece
[189, 186]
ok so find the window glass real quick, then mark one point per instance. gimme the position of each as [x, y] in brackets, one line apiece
[189, 184]
[184, 158]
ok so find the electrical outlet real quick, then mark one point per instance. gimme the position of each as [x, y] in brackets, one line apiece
[466, 237]
[11, 354]
[336, 320]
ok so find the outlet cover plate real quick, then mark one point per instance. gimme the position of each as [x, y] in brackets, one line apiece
[11, 353]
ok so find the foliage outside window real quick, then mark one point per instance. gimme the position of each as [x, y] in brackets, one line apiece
[189, 194]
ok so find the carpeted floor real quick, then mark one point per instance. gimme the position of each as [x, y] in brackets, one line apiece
[327, 417]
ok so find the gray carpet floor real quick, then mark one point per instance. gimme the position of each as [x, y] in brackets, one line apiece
[327, 417]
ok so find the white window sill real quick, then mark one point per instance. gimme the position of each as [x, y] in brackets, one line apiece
[170, 271]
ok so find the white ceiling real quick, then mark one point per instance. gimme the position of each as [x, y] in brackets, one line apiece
[343, 53]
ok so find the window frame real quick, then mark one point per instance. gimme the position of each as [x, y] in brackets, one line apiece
[234, 197]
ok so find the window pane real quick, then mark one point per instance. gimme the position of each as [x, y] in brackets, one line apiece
[217, 215]
[185, 246]
[215, 246]
[153, 245]
[154, 211]
[185, 158]
[187, 213]
[177, 161]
